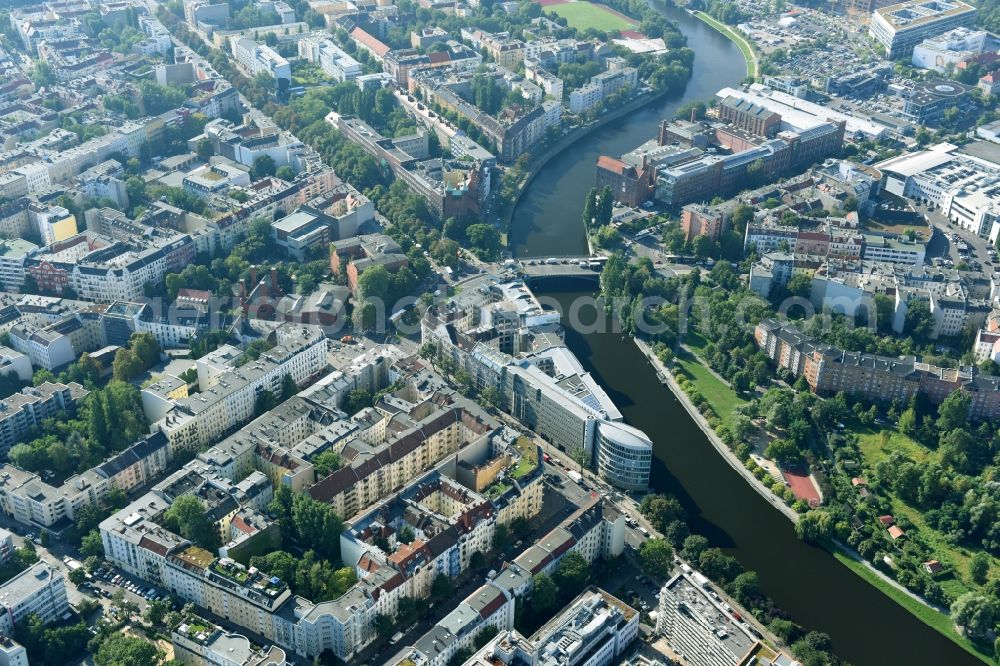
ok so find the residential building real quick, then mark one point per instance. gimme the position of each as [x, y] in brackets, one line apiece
[830, 370]
[701, 220]
[595, 629]
[353, 256]
[631, 185]
[12, 653]
[256, 59]
[40, 589]
[697, 625]
[333, 60]
[228, 391]
[198, 642]
[452, 187]
[22, 412]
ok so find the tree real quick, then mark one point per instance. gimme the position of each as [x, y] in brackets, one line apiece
[661, 510]
[77, 576]
[317, 525]
[285, 172]
[406, 535]
[605, 207]
[656, 557]
[974, 613]
[265, 402]
[703, 246]
[979, 567]
[356, 400]
[590, 208]
[919, 322]
[572, 574]
[543, 594]
[746, 588]
[326, 463]
[188, 517]
[815, 526]
[800, 285]
[205, 149]
[783, 451]
[288, 387]
[262, 167]
[91, 545]
[442, 587]
[127, 365]
[953, 412]
[125, 650]
[156, 612]
[146, 348]
[694, 546]
[484, 240]
[385, 628]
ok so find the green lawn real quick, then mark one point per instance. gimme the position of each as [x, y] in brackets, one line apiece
[583, 15]
[738, 39]
[924, 613]
[722, 399]
[876, 445]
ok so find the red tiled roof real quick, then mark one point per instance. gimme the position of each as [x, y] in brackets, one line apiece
[371, 42]
[611, 164]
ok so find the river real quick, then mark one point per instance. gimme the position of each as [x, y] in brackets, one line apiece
[548, 219]
[819, 593]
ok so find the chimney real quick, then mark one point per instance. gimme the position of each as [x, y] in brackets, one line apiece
[694, 115]
[243, 289]
[253, 276]
[274, 279]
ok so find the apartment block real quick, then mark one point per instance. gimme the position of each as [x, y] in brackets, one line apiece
[256, 58]
[198, 642]
[228, 393]
[23, 411]
[830, 370]
[40, 589]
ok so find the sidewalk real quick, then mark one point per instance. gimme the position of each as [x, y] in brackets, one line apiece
[668, 378]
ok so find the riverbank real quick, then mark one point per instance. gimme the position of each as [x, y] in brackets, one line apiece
[540, 161]
[668, 378]
[934, 617]
[749, 54]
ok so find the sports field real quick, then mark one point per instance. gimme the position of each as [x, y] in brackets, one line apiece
[583, 15]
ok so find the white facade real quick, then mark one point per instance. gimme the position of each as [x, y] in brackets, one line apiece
[951, 48]
[901, 27]
[40, 589]
[257, 58]
[332, 59]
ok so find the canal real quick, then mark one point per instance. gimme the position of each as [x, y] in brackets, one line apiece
[819, 593]
[548, 219]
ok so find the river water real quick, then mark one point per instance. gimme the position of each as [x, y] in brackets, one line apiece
[548, 219]
[818, 592]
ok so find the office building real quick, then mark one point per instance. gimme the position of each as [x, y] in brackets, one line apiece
[900, 27]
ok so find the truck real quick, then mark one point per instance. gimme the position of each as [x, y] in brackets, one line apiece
[576, 476]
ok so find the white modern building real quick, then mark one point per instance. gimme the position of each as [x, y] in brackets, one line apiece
[257, 58]
[900, 27]
[951, 48]
[966, 189]
[332, 59]
[40, 589]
